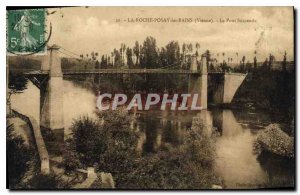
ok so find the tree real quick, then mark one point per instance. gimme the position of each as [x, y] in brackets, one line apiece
[255, 60]
[190, 48]
[197, 48]
[93, 56]
[123, 50]
[265, 65]
[149, 58]
[129, 54]
[243, 60]
[136, 51]
[17, 83]
[172, 53]
[223, 54]
[248, 66]
[271, 60]
[255, 63]
[211, 67]
[163, 59]
[117, 59]
[284, 61]
[208, 55]
[183, 51]
[122, 54]
[112, 59]
[97, 64]
[88, 141]
[103, 62]
[109, 61]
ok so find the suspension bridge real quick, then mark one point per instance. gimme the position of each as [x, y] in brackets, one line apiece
[49, 79]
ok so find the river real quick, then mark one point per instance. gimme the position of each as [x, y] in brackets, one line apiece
[237, 165]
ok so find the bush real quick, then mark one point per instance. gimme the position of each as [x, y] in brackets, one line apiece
[87, 141]
[199, 143]
[185, 167]
[71, 160]
[121, 142]
[166, 170]
[188, 166]
[93, 142]
[18, 157]
[274, 140]
[45, 182]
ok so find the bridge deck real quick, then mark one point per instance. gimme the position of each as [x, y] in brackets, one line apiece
[115, 71]
[126, 71]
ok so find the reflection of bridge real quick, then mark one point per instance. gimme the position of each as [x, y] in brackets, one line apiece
[50, 82]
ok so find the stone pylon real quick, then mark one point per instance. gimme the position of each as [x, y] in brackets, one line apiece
[51, 102]
[198, 84]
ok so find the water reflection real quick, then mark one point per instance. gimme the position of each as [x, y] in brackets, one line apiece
[27, 102]
[235, 161]
[77, 102]
[283, 176]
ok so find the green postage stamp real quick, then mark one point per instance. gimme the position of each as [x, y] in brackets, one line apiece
[26, 31]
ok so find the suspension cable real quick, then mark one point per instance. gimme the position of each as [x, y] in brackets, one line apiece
[66, 54]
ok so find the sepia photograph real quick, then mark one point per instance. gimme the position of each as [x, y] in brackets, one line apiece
[150, 98]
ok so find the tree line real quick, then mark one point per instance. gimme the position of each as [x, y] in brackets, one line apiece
[146, 55]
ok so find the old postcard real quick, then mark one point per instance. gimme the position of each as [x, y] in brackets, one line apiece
[164, 98]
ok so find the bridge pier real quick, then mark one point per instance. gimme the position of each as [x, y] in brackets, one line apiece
[198, 84]
[223, 86]
[51, 95]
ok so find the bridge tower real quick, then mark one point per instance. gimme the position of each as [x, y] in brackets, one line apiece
[198, 84]
[51, 94]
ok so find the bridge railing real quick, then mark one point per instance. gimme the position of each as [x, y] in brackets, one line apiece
[129, 71]
[126, 71]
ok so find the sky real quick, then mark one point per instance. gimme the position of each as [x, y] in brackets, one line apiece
[268, 29]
